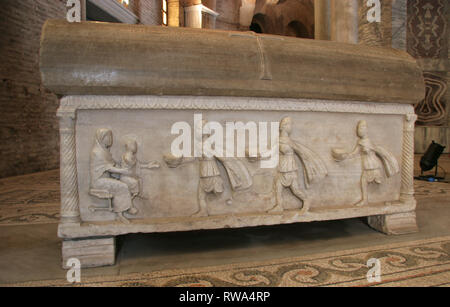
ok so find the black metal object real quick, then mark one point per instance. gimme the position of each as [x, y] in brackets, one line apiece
[430, 160]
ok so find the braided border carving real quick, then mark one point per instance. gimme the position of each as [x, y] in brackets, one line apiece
[229, 103]
[70, 210]
[407, 185]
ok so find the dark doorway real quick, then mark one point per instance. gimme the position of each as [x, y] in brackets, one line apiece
[256, 28]
[297, 29]
[258, 24]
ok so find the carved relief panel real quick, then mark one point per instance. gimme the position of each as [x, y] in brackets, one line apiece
[126, 169]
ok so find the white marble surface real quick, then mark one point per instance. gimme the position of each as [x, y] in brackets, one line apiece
[172, 192]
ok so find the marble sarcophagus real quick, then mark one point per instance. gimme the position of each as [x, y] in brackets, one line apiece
[176, 129]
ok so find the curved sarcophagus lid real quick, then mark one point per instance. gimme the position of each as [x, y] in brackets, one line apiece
[91, 58]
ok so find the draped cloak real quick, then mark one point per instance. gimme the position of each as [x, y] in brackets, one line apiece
[101, 162]
[314, 169]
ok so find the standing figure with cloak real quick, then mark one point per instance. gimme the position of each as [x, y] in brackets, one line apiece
[211, 181]
[373, 158]
[102, 166]
[314, 168]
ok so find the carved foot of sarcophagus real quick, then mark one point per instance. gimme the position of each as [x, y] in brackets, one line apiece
[394, 224]
[90, 252]
[174, 129]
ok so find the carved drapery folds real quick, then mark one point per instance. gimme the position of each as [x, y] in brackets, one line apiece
[70, 210]
[118, 182]
[374, 160]
[287, 176]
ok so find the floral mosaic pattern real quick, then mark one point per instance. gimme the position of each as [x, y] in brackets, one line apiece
[418, 263]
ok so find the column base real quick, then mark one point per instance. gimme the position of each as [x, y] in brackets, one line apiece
[394, 224]
[92, 252]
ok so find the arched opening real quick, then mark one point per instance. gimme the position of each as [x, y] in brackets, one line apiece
[255, 27]
[297, 29]
[258, 24]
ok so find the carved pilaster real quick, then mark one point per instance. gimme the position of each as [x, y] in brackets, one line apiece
[407, 185]
[70, 210]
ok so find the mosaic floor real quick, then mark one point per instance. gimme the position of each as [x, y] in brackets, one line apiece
[418, 263]
[331, 253]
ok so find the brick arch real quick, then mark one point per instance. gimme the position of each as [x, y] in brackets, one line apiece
[297, 29]
[287, 17]
[259, 21]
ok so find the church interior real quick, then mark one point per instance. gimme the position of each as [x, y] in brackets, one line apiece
[328, 252]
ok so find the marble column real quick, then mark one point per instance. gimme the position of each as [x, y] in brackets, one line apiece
[193, 16]
[344, 21]
[70, 211]
[83, 10]
[375, 33]
[322, 11]
[173, 7]
[399, 23]
[407, 173]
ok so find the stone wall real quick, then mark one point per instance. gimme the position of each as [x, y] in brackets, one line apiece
[298, 18]
[289, 17]
[28, 125]
[228, 18]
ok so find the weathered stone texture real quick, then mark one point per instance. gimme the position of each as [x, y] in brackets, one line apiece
[394, 224]
[92, 252]
[234, 65]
